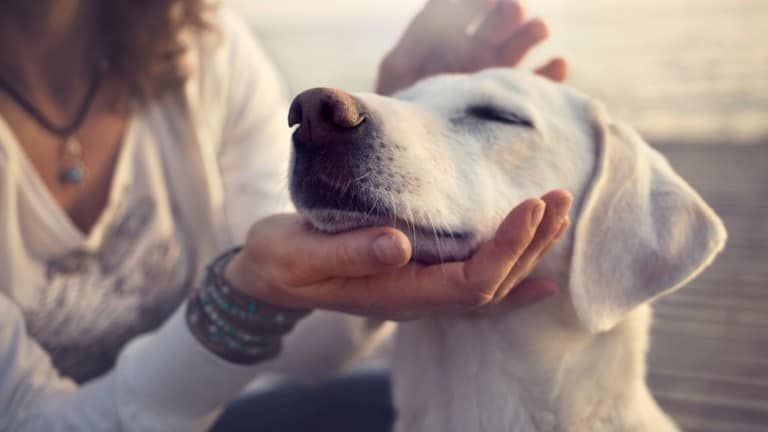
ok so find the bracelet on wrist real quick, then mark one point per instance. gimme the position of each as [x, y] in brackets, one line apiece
[233, 325]
[218, 341]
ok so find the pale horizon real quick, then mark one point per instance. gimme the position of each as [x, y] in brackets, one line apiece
[689, 70]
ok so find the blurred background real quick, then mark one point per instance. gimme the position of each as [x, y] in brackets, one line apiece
[692, 76]
[682, 70]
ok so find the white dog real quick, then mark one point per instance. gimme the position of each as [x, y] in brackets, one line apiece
[445, 161]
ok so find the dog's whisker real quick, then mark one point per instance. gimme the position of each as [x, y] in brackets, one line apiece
[373, 207]
[410, 222]
[441, 259]
[346, 184]
[444, 227]
[364, 176]
[394, 208]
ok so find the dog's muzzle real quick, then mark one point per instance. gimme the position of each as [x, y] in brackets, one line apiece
[333, 149]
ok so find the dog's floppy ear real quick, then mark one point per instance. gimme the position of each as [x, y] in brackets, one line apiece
[642, 230]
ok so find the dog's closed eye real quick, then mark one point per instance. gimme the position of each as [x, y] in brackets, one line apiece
[499, 115]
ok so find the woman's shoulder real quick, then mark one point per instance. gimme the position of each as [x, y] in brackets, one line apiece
[228, 36]
[228, 57]
[230, 74]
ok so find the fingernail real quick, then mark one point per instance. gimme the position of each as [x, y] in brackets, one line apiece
[389, 250]
[537, 213]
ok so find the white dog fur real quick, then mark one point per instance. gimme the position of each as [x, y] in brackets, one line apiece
[575, 362]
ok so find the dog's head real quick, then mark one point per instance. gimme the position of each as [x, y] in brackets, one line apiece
[445, 160]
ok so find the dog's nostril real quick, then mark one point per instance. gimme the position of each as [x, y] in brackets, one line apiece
[328, 113]
[341, 110]
[357, 120]
[327, 117]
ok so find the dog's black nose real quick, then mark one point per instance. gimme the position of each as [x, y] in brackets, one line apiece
[323, 114]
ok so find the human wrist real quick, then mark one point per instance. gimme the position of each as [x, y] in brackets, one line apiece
[234, 271]
[234, 325]
[246, 278]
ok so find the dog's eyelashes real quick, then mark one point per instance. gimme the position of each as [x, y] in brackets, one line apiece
[489, 113]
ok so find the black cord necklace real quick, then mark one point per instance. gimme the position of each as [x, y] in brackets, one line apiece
[74, 173]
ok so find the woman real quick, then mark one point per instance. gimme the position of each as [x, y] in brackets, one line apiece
[139, 141]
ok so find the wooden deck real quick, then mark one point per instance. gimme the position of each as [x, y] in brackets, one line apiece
[709, 355]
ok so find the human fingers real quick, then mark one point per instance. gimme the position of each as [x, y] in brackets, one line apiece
[417, 289]
[451, 18]
[445, 40]
[402, 294]
[555, 69]
[478, 48]
[438, 62]
[560, 231]
[500, 23]
[558, 204]
[294, 253]
[492, 262]
[437, 22]
[419, 51]
[521, 41]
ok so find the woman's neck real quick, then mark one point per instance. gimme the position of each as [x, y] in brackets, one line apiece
[47, 46]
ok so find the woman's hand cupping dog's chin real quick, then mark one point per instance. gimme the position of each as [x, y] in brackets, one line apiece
[445, 37]
[369, 272]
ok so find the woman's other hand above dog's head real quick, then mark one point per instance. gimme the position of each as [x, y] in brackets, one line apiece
[462, 37]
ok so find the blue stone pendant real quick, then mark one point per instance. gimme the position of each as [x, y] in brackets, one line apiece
[75, 174]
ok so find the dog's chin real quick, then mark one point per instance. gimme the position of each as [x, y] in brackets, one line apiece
[430, 246]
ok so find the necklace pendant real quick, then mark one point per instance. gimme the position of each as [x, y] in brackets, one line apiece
[73, 149]
[73, 175]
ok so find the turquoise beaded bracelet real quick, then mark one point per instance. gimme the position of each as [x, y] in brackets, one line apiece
[233, 325]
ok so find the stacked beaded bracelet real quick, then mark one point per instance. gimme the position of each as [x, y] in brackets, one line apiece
[232, 325]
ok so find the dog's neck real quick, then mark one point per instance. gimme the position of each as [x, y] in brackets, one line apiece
[534, 369]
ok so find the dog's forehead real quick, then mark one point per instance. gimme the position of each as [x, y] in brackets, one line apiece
[500, 86]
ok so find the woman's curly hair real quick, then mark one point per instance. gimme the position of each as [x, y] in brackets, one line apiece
[144, 45]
